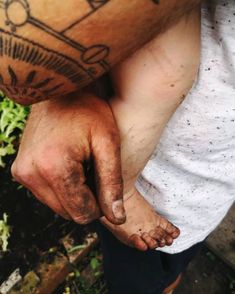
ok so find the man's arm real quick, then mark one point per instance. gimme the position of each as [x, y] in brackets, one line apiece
[51, 48]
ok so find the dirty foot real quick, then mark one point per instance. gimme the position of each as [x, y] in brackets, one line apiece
[144, 228]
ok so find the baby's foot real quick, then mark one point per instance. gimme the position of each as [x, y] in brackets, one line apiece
[144, 228]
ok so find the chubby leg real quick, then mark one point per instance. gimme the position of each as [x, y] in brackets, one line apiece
[150, 86]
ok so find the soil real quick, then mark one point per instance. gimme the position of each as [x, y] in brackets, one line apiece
[34, 227]
[207, 274]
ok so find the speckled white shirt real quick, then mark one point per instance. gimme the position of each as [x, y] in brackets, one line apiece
[190, 178]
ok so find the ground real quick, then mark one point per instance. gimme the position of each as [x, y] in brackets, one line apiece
[207, 274]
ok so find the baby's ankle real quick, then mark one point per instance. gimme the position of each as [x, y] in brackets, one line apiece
[129, 194]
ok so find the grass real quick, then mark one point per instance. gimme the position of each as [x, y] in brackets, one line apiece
[12, 121]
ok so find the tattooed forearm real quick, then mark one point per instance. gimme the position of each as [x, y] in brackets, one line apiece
[50, 48]
[47, 72]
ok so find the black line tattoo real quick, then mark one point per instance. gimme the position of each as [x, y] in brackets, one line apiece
[1, 80]
[92, 59]
[30, 77]
[13, 76]
[18, 48]
[37, 23]
[27, 18]
[95, 5]
[30, 52]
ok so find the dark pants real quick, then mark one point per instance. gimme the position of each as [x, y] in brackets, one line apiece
[129, 271]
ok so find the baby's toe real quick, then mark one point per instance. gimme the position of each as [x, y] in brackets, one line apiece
[157, 234]
[137, 242]
[151, 242]
[169, 240]
[162, 243]
[172, 230]
[176, 233]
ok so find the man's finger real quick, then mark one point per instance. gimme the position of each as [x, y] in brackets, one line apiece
[108, 173]
[49, 199]
[75, 195]
[41, 190]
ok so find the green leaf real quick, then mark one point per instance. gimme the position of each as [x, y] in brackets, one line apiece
[12, 121]
[4, 233]
[75, 248]
[94, 263]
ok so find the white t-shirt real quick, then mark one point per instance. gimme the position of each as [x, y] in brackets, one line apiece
[190, 178]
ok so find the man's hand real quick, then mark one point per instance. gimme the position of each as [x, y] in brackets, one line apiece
[60, 139]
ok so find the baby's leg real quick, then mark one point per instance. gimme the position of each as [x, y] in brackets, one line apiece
[149, 87]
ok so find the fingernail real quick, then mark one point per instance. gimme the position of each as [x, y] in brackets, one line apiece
[118, 210]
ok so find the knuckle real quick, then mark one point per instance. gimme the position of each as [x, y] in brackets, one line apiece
[112, 188]
[114, 136]
[58, 210]
[107, 137]
[22, 171]
[112, 139]
[49, 163]
[115, 184]
[14, 170]
[82, 220]
[45, 166]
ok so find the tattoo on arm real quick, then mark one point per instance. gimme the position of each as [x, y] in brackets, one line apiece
[51, 48]
[61, 69]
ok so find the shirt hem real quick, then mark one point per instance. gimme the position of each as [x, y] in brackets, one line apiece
[181, 247]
